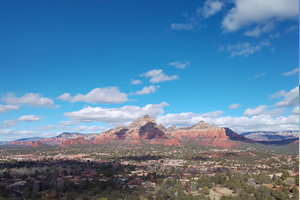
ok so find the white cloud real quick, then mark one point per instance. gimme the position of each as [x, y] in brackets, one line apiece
[274, 112]
[291, 98]
[46, 128]
[291, 29]
[147, 90]
[67, 123]
[234, 106]
[26, 132]
[116, 116]
[64, 97]
[98, 95]
[8, 123]
[255, 111]
[157, 76]
[31, 99]
[7, 108]
[277, 35]
[259, 75]
[93, 129]
[257, 31]
[296, 110]
[238, 124]
[248, 12]
[210, 8]
[180, 65]
[245, 49]
[135, 82]
[30, 118]
[176, 26]
[294, 71]
[5, 131]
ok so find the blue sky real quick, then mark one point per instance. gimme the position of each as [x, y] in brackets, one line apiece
[87, 66]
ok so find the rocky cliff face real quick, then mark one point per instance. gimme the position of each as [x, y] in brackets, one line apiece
[144, 128]
[76, 142]
[203, 134]
[38, 144]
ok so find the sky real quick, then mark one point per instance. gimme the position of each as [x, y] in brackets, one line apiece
[88, 66]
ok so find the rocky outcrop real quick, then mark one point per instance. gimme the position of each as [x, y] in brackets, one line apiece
[142, 121]
[203, 134]
[201, 130]
[76, 142]
[57, 140]
[22, 143]
[234, 136]
[173, 142]
[143, 128]
[162, 128]
[38, 144]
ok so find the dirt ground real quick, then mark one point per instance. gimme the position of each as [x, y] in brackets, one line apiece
[218, 192]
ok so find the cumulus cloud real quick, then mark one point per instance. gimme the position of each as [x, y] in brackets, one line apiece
[98, 95]
[7, 108]
[158, 76]
[135, 82]
[5, 131]
[238, 124]
[210, 8]
[116, 116]
[249, 12]
[255, 111]
[290, 73]
[8, 123]
[245, 49]
[64, 97]
[291, 98]
[67, 123]
[46, 128]
[296, 110]
[234, 106]
[30, 118]
[275, 112]
[31, 99]
[93, 129]
[147, 90]
[180, 65]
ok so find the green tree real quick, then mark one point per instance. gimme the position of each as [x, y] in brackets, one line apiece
[205, 190]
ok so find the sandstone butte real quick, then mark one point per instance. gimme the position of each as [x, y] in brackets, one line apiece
[173, 142]
[38, 144]
[76, 142]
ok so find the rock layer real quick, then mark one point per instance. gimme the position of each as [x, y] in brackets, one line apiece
[76, 142]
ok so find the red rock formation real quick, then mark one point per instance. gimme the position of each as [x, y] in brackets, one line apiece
[22, 143]
[76, 142]
[144, 128]
[173, 142]
[38, 144]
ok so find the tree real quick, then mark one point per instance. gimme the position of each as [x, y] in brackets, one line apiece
[205, 190]
[285, 175]
[159, 181]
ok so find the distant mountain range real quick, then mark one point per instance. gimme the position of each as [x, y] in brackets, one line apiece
[145, 130]
[271, 136]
